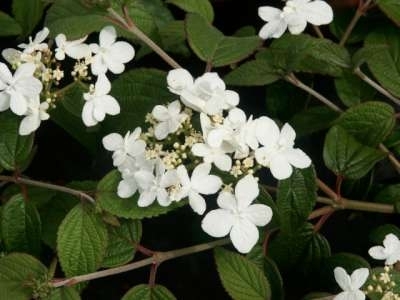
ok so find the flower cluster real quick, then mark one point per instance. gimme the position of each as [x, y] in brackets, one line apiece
[30, 92]
[172, 160]
[294, 16]
[382, 284]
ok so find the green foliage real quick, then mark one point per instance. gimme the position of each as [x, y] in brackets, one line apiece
[21, 226]
[9, 25]
[296, 198]
[82, 241]
[27, 14]
[15, 150]
[240, 277]
[378, 234]
[107, 198]
[211, 46]
[274, 278]
[391, 8]
[146, 292]
[122, 243]
[17, 272]
[64, 293]
[201, 7]
[346, 157]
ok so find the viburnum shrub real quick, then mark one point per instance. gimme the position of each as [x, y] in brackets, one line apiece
[317, 155]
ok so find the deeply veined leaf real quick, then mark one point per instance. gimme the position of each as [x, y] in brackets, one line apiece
[107, 198]
[122, 243]
[296, 198]
[8, 25]
[27, 13]
[370, 122]
[17, 272]
[64, 293]
[146, 292]
[211, 46]
[21, 226]
[15, 150]
[391, 8]
[242, 279]
[344, 156]
[201, 7]
[274, 278]
[82, 241]
[316, 251]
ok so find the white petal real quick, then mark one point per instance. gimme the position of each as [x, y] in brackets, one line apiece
[174, 108]
[280, 168]
[78, 51]
[5, 74]
[246, 191]
[60, 55]
[273, 29]
[160, 113]
[29, 124]
[126, 188]
[98, 65]
[263, 156]
[346, 296]
[60, 40]
[217, 223]
[178, 80]
[201, 150]
[146, 198]
[207, 185]
[162, 197]
[191, 100]
[269, 13]
[227, 201]
[144, 179]
[318, 12]
[222, 162]
[287, 136]
[342, 278]
[12, 56]
[136, 148]
[359, 277]
[258, 214]
[378, 252]
[170, 178]
[161, 130]
[24, 70]
[244, 235]
[297, 158]
[216, 136]
[107, 36]
[122, 52]
[296, 23]
[41, 35]
[29, 86]
[183, 175]
[102, 86]
[201, 170]
[197, 203]
[115, 66]
[391, 241]
[87, 114]
[267, 132]
[110, 105]
[113, 141]
[18, 104]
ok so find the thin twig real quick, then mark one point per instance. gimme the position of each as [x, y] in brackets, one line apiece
[158, 258]
[318, 31]
[320, 212]
[49, 186]
[391, 157]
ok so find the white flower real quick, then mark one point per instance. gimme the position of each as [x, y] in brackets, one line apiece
[36, 44]
[390, 251]
[351, 285]
[154, 187]
[277, 152]
[201, 182]
[12, 56]
[169, 119]
[126, 147]
[18, 89]
[109, 54]
[99, 103]
[237, 216]
[75, 49]
[294, 16]
[206, 94]
[36, 113]
[215, 155]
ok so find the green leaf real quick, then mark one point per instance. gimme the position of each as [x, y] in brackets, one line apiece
[313, 119]
[108, 200]
[21, 226]
[122, 243]
[173, 37]
[201, 7]
[296, 198]
[8, 25]
[82, 241]
[352, 90]
[378, 234]
[15, 150]
[240, 277]
[211, 46]
[303, 53]
[391, 8]
[145, 292]
[344, 156]
[274, 278]
[317, 250]
[64, 293]
[341, 21]
[72, 98]
[27, 14]
[389, 194]
[370, 122]
[17, 272]
[386, 66]
[137, 91]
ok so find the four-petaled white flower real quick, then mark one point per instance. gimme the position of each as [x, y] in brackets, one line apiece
[36, 44]
[124, 148]
[237, 216]
[390, 251]
[169, 119]
[294, 16]
[206, 94]
[215, 155]
[36, 113]
[75, 49]
[201, 182]
[109, 54]
[277, 152]
[154, 186]
[18, 89]
[351, 285]
[99, 103]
